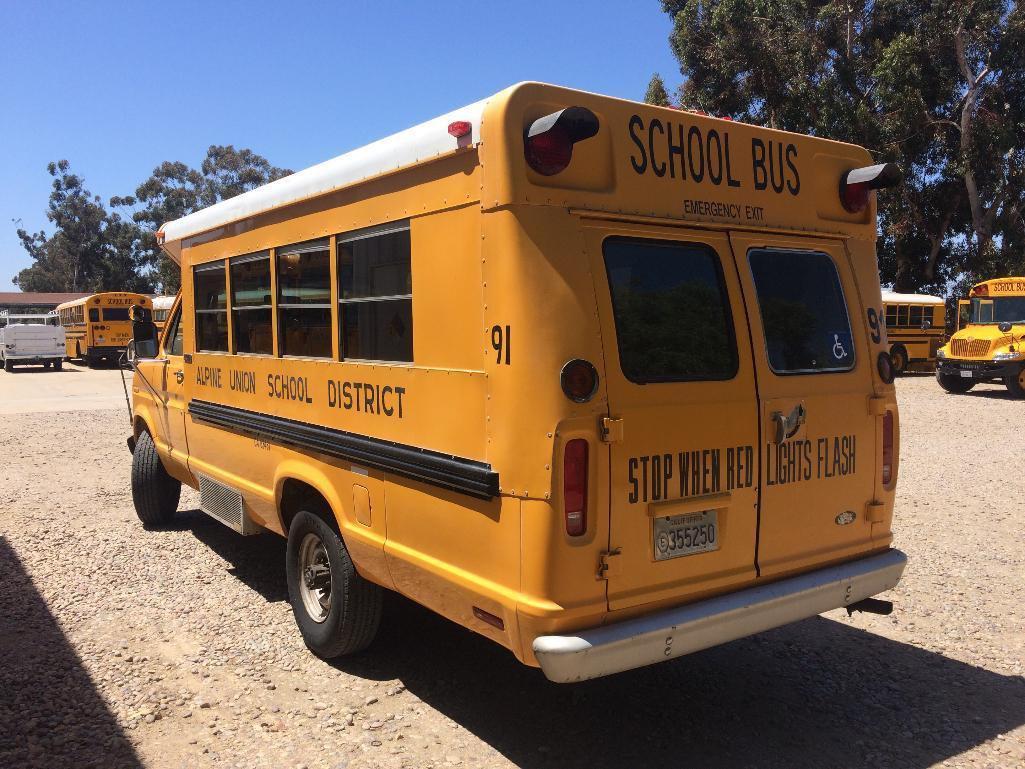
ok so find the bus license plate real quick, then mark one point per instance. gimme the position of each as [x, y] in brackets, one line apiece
[966, 373]
[689, 534]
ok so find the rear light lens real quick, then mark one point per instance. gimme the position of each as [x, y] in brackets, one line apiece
[887, 472]
[579, 379]
[885, 365]
[855, 197]
[460, 128]
[549, 153]
[574, 486]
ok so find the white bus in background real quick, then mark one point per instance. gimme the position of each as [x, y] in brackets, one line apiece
[161, 307]
[31, 339]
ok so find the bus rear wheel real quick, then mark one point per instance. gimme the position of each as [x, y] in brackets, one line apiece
[899, 358]
[154, 492]
[338, 611]
[954, 384]
[1016, 384]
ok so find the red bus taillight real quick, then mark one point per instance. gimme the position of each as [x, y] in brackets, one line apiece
[574, 486]
[548, 141]
[887, 448]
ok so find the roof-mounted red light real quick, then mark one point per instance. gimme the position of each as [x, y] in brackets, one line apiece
[548, 142]
[980, 290]
[460, 128]
[856, 184]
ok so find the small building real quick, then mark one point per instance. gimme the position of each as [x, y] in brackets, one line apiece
[35, 301]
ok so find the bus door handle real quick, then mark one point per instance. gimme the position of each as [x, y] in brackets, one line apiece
[179, 376]
[788, 425]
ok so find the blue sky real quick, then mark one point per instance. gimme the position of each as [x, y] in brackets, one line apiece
[118, 87]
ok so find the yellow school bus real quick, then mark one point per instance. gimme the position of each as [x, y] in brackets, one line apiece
[988, 344]
[915, 326]
[161, 309]
[604, 382]
[97, 327]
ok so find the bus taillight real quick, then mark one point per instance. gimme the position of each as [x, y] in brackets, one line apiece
[887, 472]
[548, 142]
[856, 184]
[574, 486]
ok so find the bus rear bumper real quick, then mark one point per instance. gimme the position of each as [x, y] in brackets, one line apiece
[682, 630]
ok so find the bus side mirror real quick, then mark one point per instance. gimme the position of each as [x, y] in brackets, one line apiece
[144, 333]
[1005, 327]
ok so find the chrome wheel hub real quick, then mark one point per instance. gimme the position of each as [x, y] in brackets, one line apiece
[315, 577]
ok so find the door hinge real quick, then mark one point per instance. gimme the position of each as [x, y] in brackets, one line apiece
[608, 563]
[876, 406]
[611, 429]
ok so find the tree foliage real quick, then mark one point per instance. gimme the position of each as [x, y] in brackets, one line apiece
[174, 190]
[937, 87]
[657, 93]
[90, 249]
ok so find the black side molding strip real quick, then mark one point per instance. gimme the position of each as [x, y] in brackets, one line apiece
[446, 471]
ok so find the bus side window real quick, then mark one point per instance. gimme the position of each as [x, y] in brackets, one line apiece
[891, 316]
[375, 295]
[94, 315]
[915, 316]
[902, 316]
[175, 335]
[304, 299]
[211, 307]
[251, 304]
[964, 313]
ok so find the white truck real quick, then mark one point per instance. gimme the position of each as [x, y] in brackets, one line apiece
[31, 339]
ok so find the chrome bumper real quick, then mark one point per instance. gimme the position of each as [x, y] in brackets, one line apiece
[672, 633]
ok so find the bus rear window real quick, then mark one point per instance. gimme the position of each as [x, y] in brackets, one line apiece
[115, 313]
[671, 311]
[804, 314]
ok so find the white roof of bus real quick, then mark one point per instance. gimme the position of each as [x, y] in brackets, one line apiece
[162, 302]
[890, 297]
[414, 145]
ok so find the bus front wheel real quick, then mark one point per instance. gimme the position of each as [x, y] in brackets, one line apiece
[8, 365]
[899, 358]
[338, 611]
[1016, 384]
[954, 384]
[154, 492]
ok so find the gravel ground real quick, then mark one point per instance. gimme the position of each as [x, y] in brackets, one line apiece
[126, 648]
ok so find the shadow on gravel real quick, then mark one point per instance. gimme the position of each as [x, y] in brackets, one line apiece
[258, 561]
[819, 693]
[51, 714]
[997, 394]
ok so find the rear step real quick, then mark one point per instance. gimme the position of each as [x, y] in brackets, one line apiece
[225, 504]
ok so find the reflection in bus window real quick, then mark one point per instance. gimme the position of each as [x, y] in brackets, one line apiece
[211, 307]
[804, 314]
[304, 300]
[671, 311]
[251, 304]
[376, 295]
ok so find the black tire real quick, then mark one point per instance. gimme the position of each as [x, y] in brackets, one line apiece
[1016, 384]
[46, 364]
[354, 607]
[154, 492]
[8, 365]
[58, 365]
[954, 384]
[899, 359]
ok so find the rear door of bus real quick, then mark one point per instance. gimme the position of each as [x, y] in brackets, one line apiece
[682, 436]
[814, 372]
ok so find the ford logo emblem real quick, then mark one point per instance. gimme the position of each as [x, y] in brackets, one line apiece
[847, 516]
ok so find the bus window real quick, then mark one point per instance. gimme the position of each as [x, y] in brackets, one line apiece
[94, 315]
[915, 316]
[984, 313]
[804, 313]
[891, 316]
[251, 304]
[902, 316]
[671, 312]
[211, 307]
[376, 295]
[176, 346]
[115, 313]
[304, 300]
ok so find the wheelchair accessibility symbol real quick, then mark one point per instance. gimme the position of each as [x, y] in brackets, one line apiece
[838, 349]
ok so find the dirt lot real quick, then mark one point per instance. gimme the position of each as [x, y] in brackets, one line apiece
[126, 648]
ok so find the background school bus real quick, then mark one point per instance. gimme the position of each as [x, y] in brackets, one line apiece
[437, 433]
[915, 329]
